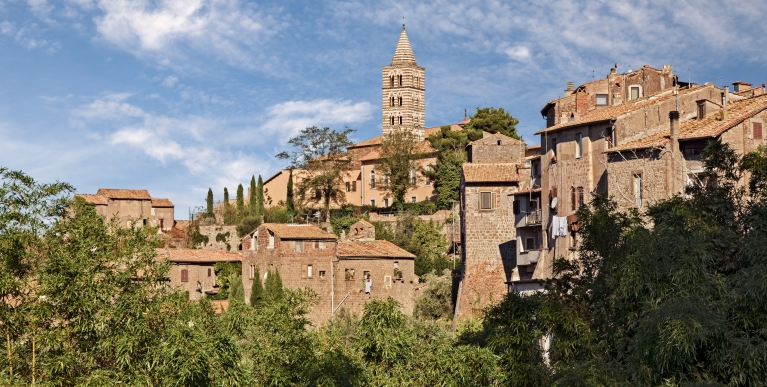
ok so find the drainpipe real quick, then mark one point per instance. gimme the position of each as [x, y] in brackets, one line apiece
[675, 159]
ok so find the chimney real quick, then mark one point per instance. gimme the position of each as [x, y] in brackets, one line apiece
[343, 236]
[724, 102]
[675, 169]
[569, 88]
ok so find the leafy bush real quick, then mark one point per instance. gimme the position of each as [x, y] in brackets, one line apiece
[436, 298]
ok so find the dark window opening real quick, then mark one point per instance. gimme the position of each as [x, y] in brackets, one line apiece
[400, 101]
[580, 196]
[400, 120]
[572, 198]
[184, 275]
[392, 120]
[757, 131]
[209, 272]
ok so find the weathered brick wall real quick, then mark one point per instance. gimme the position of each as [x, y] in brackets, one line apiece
[164, 213]
[197, 272]
[129, 210]
[384, 283]
[651, 165]
[489, 243]
[230, 240]
[510, 151]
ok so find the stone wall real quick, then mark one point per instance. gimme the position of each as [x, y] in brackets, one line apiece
[650, 165]
[202, 272]
[223, 238]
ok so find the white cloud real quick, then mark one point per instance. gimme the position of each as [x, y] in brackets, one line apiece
[288, 118]
[519, 53]
[224, 28]
[170, 81]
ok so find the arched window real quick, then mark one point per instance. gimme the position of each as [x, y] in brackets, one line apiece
[400, 79]
[392, 101]
[400, 101]
[400, 120]
[373, 176]
[392, 120]
[184, 275]
[391, 81]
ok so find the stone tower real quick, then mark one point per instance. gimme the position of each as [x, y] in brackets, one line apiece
[403, 91]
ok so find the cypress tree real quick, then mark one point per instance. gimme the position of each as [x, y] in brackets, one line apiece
[252, 197]
[289, 200]
[260, 196]
[236, 290]
[257, 292]
[209, 202]
[273, 286]
[226, 206]
[240, 203]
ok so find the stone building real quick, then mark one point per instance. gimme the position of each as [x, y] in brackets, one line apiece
[403, 91]
[193, 270]
[132, 207]
[489, 182]
[308, 257]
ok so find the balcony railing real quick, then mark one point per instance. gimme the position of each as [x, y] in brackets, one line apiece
[533, 217]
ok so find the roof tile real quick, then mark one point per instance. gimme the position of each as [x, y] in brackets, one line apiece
[111, 193]
[162, 203]
[372, 249]
[95, 199]
[196, 256]
[490, 172]
[298, 231]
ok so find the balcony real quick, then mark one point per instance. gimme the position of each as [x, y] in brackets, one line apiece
[533, 218]
[528, 257]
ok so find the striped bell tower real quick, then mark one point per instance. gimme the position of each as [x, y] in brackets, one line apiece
[403, 91]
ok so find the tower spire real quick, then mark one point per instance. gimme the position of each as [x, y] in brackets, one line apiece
[403, 54]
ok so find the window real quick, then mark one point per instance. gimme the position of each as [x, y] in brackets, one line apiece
[485, 200]
[372, 202]
[413, 199]
[529, 243]
[609, 138]
[317, 245]
[516, 207]
[573, 199]
[400, 101]
[426, 171]
[309, 271]
[373, 179]
[536, 167]
[322, 274]
[400, 79]
[365, 274]
[391, 101]
[701, 110]
[184, 275]
[601, 99]
[638, 190]
[349, 274]
[578, 145]
[348, 186]
[498, 142]
[144, 222]
[413, 177]
[317, 194]
[757, 130]
[400, 120]
[391, 81]
[252, 272]
[299, 246]
[354, 186]
[580, 196]
[386, 202]
[386, 180]
[209, 272]
[271, 240]
[392, 120]
[254, 242]
[554, 146]
[534, 204]
[635, 92]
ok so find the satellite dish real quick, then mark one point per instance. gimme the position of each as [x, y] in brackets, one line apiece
[554, 203]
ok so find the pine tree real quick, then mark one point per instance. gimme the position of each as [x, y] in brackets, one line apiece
[209, 202]
[289, 204]
[226, 216]
[240, 203]
[257, 292]
[253, 206]
[260, 196]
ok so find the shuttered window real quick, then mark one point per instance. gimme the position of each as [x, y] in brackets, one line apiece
[485, 200]
[184, 275]
[580, 196]
[572, 198]
[757, 131]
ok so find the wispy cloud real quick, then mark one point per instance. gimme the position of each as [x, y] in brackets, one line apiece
[288, 118]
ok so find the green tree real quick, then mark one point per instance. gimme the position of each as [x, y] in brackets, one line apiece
[446, 174]
[436, 299]
[236, 291]
[227, 208]
[321, 152]
[493, 120]
[289, 203]
[252, 201]
[240, 203]
[399, 163]
[257, 290]
[260, 196]
[209, 205]
[273, 290]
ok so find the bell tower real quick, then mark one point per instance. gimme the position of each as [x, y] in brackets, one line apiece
[403, 91]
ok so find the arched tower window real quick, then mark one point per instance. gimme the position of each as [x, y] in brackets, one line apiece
[391, 81]
[400, 120]
[400, 101]
[392, 101]
[400, 79]
[392, 120]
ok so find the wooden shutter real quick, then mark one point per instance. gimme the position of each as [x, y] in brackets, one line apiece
[184, 275]
[572, 198]
[757, 131]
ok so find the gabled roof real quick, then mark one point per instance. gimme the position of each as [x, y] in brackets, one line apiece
[162, 203]
[403, 54]
[490, 172]
[492, 138]
[614, 112]
[298, 231]
[95, 199]
[372, 249]
[711, 126]
[111, 193]
[196, 256]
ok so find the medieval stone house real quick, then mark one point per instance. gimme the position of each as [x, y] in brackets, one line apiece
[344, 273]
[132, 207]
[193, 270]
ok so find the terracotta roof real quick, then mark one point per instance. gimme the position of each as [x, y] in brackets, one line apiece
[711, 126]
[370, 142]
[95, 199]
[161, 203]
[372, 249]
[365, 223]
[374, 155]
[490, 172]
[110, 193]
[421, 147]
[298, 231]
[491, 138]
[197, 256]
[403, 54]
[426, 133]
[612, 112]
[534, 146]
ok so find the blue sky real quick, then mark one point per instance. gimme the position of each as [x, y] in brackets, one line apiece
[176, 96]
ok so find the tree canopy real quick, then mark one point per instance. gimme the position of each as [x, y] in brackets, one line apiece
[493, 120]
[398, 162]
